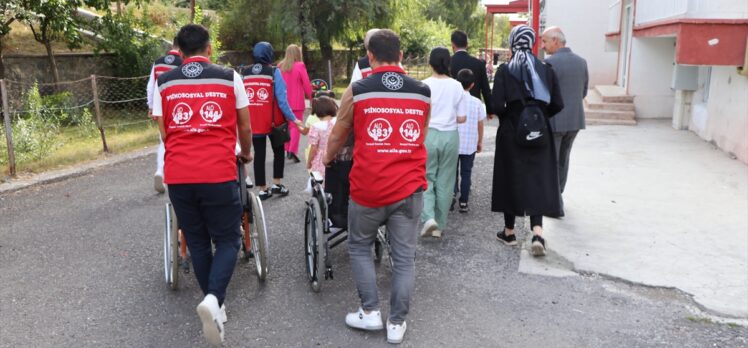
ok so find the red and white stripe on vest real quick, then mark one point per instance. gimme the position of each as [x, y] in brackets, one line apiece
[171, 60]
[389, 119]
[365, 67]
[199, 111]
[258, 82]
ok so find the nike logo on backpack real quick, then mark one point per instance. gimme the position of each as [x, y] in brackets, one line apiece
[533, 135]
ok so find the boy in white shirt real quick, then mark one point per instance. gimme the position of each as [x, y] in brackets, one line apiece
[471, 138]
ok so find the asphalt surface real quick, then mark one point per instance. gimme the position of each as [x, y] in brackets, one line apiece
[81, 265]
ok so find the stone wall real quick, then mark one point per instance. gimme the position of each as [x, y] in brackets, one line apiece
[316, 67]
[76, 66]
[70, 66]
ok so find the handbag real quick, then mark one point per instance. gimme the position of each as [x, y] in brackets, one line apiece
[280, 134]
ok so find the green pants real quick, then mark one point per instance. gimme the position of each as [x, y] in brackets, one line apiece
[441, 169]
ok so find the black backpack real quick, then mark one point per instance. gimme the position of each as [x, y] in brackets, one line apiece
[531, 128]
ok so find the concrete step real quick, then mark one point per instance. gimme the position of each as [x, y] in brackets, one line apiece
[594, 101]
[609, 122]
[609, 114]
[613, 94]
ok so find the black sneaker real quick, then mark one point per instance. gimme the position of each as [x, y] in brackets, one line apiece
[464, 207]
[279, 189]
[292, 156]
[265, 194]
[508, 240]
[538, 246]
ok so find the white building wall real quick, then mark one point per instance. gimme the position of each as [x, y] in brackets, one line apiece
[655, 10]
[614, 16]
[722, 117]
[585, 37]
[650, 76]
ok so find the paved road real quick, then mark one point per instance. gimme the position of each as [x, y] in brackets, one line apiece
[81, 265]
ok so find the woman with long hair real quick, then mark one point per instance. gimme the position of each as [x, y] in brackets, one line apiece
[448, 108]
[298, 87]
[525, 176]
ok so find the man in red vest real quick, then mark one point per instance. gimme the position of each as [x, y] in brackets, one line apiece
[171, 60]
[388, 113]
[201, 107]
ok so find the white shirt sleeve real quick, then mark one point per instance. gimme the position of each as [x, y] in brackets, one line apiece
[462, 104]
[149, 88]
[356, 74]
[157, 108]
[242, 101]
[482, 111]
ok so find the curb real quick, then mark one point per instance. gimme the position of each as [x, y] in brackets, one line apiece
[62, 174]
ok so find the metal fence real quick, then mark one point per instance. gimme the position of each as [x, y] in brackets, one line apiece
[417, 67]
[40, 118]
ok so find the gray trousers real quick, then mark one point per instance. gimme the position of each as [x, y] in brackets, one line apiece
[563, 141]
[401, 219]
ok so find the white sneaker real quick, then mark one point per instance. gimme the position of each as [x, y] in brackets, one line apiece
[428, 228]
[396, 332]
[209, 313]
[437, 233]
[249, 182]
[158, 183]
[363, 321]
[222, 314]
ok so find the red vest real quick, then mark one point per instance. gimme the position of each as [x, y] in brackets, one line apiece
[365, 67]
[263, 107]
[199, 111]
[171, 60]
[389, 119]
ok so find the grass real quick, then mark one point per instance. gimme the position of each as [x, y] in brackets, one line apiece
[21, 41]
[127, 135]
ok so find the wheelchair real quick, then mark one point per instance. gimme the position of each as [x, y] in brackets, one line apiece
[253, 230]
[324, 229]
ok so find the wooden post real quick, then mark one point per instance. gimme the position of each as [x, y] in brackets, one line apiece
[98, 112]
[329, 73]
[8, 129]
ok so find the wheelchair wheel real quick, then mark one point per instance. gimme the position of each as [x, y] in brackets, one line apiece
[259, 237]
[171, 247]
[313, 243]
[382, 245]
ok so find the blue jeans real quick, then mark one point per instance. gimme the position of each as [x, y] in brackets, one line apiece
[210, 213]
[464, 173]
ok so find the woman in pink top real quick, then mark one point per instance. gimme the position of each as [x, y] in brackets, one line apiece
[297, 84]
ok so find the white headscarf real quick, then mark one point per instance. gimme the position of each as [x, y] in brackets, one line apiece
[522, 64]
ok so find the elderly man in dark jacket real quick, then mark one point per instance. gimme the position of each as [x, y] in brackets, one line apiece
[573, 79]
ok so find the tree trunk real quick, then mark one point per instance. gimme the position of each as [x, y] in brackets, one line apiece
[325, 46]
[52, 62]
[349, 62]
[2, 64]
[192, 11]
[303, 34]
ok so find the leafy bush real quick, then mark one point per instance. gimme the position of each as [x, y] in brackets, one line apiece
[127, 36]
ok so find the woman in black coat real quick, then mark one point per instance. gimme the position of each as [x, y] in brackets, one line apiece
[525, 179]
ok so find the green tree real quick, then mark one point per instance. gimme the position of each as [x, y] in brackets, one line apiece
[126, 36]
[54, 20]
[418, 33]
[10, 11]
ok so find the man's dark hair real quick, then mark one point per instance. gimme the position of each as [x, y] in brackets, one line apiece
[192, 39]
[174, 43]
[459, 39]
[439, 60]
[385, 46]
[465, 77]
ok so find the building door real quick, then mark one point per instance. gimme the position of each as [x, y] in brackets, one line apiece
[626, 30]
